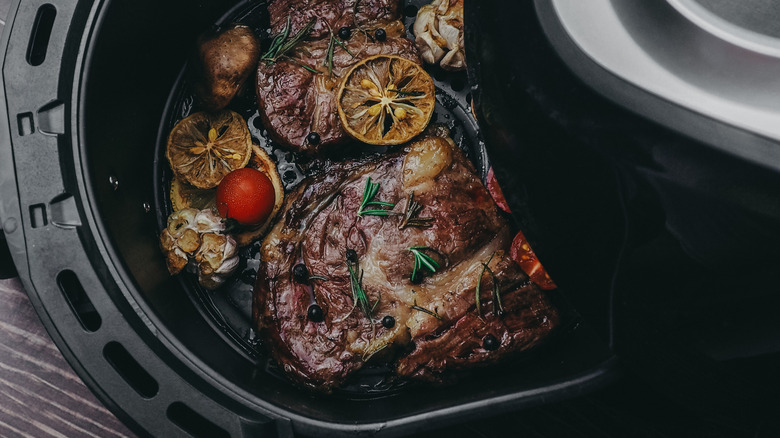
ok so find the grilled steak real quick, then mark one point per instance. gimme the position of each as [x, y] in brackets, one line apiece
[436, 326]
[295, 101]
[331, 14]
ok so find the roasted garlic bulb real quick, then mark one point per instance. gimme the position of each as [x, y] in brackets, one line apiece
[196, 235]
[439, 34]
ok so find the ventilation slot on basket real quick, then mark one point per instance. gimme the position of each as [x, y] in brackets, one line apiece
[130, 370]
[38, 216]
[26, 125]
[41, 32]
[78, 300]
[193, 423]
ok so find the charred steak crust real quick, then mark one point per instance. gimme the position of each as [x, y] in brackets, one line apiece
[320, 224]
[331, 14]
[295, 101]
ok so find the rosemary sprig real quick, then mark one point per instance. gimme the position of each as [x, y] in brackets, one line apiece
[277, 42]
[422, 260]
[281, 44]
[424, 310]
[411, 219]
[359, 297]
[342, 45]
[498, 307]
[369, 192]
[402, 93]
[334, 41]
[300, 64]
[329, 55]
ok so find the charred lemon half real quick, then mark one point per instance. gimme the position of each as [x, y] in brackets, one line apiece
[205, 147]
[184, 195]
[386, 100]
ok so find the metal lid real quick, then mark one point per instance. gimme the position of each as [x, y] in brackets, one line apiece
[709, 69]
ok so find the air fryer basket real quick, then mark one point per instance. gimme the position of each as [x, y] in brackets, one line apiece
[86, 85]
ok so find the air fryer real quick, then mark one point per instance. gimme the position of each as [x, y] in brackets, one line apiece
[613, 203]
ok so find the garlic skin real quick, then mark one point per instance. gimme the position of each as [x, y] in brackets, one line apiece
[194, 237]
[217, 259]
[439, 34]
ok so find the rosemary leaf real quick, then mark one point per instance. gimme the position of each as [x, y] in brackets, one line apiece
[277, 42]
[369, 192]
[422, 260]
[411, 213]
[479, 284]
[343, 46]
[281, 44]
[300, 64]
[498, 307]
[329, 56]
[359, 297]
[377, 212]
[424, 310]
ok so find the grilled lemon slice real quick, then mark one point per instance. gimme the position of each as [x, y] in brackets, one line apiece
[386, 100]
[205, 147]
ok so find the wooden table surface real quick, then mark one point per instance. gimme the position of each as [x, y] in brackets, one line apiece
[40, 395]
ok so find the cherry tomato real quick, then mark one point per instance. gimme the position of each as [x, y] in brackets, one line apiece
[523, 255]
[495, 191]
[246, 195]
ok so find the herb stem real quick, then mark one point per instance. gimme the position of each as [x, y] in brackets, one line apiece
[424, 310]
[369, 192]
[479, 284]
[359, 297]
[411, 213]
[281, 44]
[422, 260]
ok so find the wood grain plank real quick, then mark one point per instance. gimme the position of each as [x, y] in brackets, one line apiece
[40, 395]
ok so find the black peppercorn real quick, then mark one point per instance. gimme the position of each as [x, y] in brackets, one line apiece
[490, 343]
[351, 256]
[388, 321]
[380, 35]
[315, 313]
[313, 138]
[300, 273]
[345, 33]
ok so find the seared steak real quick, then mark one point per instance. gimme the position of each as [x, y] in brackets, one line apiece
[436, 326]
[295, 101]
[331, 14]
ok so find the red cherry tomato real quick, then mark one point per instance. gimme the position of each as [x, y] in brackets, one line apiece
[495, 191]
[246, 195]
[523, 255]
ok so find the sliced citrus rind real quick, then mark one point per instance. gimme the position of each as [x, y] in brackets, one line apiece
[184, 195]
[205, 147]
[386, 100]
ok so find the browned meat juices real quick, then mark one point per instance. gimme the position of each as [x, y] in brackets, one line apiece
[294, 100]
[427, 325]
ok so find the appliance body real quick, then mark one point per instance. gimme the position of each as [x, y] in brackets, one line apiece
[651, 170]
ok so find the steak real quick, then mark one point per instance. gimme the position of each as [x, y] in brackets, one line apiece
[294, 100]
[331, 14]
[436, 325]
